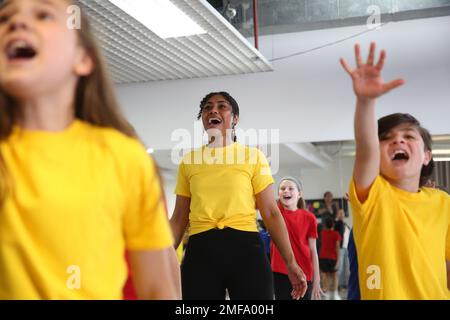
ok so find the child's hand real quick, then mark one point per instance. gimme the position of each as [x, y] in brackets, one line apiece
[317, 292]
[367, 81]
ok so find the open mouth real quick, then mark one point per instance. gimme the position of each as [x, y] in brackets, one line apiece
[287, 198]
[400, 155]
[214, 121]
[20, 50]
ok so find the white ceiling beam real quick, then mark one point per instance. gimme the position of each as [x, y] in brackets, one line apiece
[307, 151]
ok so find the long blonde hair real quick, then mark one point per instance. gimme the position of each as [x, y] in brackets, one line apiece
[95, 101]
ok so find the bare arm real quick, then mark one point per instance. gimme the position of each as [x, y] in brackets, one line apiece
[277, 228]
[176, 272]
[367, 157]
[180, 218]
[338, 249]
[156, 274]
[316, 291]
[367, 85]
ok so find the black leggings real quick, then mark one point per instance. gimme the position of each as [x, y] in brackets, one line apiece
[283, 287]
[230, 259]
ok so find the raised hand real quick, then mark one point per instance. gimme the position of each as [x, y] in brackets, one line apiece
[367, 81]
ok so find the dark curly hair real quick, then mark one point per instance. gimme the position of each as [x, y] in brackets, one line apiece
[226, 96]
[385, 124]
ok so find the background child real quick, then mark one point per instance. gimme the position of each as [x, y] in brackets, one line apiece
[77, 187]
[329, 258]
[401, 229]
[302, 229]
[265, 237]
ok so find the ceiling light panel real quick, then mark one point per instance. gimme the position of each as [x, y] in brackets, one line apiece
[137, 54]
[160, 16]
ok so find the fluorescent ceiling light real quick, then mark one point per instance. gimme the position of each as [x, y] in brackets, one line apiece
[161, 16]
[441, 159]
[435, 152]
[441, 151]
[441, 138]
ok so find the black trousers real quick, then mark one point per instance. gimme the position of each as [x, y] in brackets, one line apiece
[283, 287]
[216, 260]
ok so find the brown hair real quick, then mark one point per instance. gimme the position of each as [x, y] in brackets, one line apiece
[95, 101]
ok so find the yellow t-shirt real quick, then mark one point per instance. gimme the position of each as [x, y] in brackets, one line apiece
[222, 184]
[80, 197]
[402, 241]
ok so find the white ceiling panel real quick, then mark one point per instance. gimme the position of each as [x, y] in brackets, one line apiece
[135, 54]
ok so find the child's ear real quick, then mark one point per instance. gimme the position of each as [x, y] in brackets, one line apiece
[84, 64]
[428, 157]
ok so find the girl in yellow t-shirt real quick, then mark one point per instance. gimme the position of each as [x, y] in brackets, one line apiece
[218, 190]
[76, 186]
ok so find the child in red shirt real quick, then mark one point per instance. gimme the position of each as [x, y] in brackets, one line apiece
[329, 258]
[302, 230]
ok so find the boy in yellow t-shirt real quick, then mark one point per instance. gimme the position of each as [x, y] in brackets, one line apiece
[401, 228]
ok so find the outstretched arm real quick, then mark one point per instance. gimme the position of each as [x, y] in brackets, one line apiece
[367, 85]
[276, 226]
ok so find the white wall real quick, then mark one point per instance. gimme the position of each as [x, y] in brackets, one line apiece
[334, 178]
[309, 97]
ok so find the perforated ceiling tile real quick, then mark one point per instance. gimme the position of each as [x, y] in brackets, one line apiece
[135, 54]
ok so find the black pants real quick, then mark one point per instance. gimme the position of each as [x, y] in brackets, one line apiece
[230, 259]
[283, 287]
